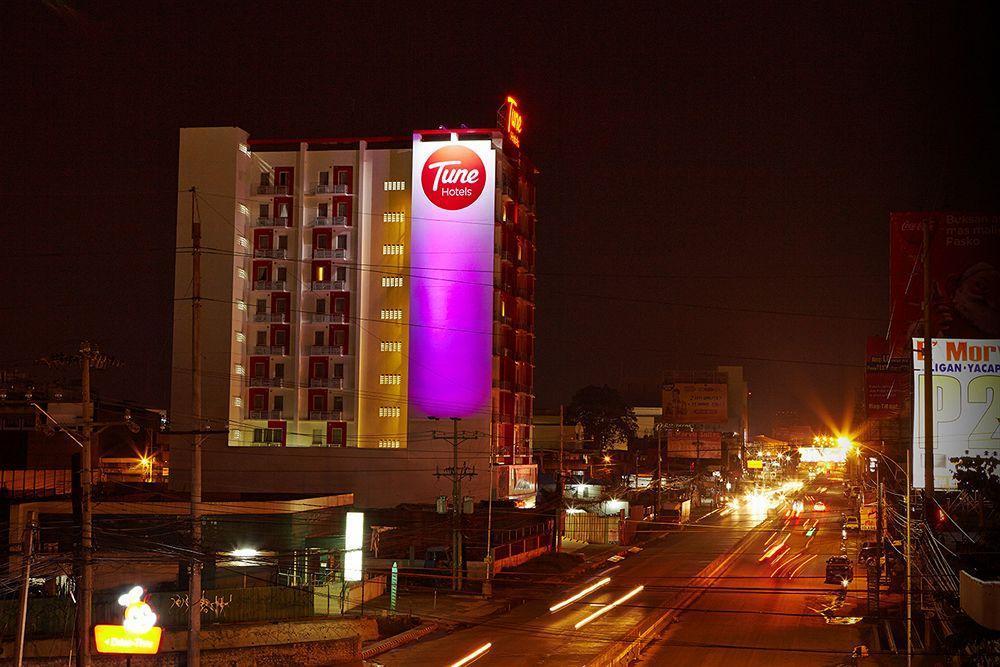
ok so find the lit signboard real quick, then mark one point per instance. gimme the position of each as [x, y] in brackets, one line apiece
[451, 288]
[354, 535]
[137, 634]
[515, 122]
[755, 464]
[966, 376]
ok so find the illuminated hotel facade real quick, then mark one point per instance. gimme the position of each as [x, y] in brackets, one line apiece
[352, 291]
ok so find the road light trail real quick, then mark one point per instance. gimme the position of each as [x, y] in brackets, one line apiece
[608, 607]
[472, 656]
[590, 589]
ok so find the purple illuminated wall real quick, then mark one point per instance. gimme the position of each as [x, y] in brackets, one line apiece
[451, 278]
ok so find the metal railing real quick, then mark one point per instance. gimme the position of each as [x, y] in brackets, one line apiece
[326, 415]
[328, 285]
[270, 317]
[271, 285]
[328, 383]
[326, 318]
[267, 382]
[270, 253]
[327, 350]
[269, 189]
[266, 414]
[271, 222]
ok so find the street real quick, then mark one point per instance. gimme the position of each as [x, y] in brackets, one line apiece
[755, 618]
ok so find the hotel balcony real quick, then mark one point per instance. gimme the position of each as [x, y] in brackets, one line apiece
[328, 285]
[266, 414]
[281, 318]
[326, 318]
[268, 382]
[326, 221]
[326, 415]
[327, 383]
[270, 253]
[327, 253]
[271, 285]
[272, 190]
[271, 222]
[326, 350]
[322, 189]
[273, 350]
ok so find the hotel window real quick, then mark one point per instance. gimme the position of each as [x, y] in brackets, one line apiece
[392, 249]
[389, 411]
[324, 178]
[388, 444]
[279, 403]
[391, 186]
[282, 274]
[339, 337]
[317, 436]
[342, 209]
[389, 378]
[338, 403]
[393, 216]
[341, 241]
[261, 273]
[318, 338]
[391, 346]
[264, 211]
[261, 338]
[323, 210]
[392, 314]
[258, 369]
[341, 273]
[392, 281]
[265, 178]
[337, 436]
[282, 243]
[340, 305]
[320, 306]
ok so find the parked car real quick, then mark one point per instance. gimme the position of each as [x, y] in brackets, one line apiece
[852, 523]
[868, 551]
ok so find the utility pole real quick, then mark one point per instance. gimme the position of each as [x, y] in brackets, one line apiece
[194, 581]
[456, 476]
[561, 486]
[85, 576]
[27, 553]
[659, 471]
[909, 590]
[928, 379]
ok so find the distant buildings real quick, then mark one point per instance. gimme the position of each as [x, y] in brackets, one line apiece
[354, 288]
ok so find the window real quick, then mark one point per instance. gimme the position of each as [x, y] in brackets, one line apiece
[279, 338]
[279, 371]
[282, 178]
[392, 314]
[342, 176]
[341, 273]
[320, 273]
[267, 436]
[340, 305]
[264, 211]
[389, 378]
[318, 402]
[338, 403]
[261, 273]
[283, 242]
[258, 402]
[391, 186]
[282, 274]
[264, 242]
[320, 306]
[391, 346]
[240, 370]
[323, 210]
[265, 178]
[319, 369]
[393, 216]
[261, 306]
[258, 369]
[392, 249]
[318, 338]
[389, 411]
[339, 337]
[279, 403]
[388, 444]
[337, 436]
[392, 281]
[342, 209]
[261, 337]
[317, 438]
[324, 178]
[342, 241]
[338, 371]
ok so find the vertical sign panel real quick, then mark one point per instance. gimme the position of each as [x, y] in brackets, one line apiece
[354, 534]
[451, 290]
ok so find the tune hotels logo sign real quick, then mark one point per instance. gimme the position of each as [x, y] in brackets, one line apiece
[453, 177]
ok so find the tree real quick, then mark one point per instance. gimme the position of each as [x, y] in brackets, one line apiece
[603, 414]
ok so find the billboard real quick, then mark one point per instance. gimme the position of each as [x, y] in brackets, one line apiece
[966, 380]
[693, 444]
[964, 255]
[695, 403]
[451, 283]
[887, 381]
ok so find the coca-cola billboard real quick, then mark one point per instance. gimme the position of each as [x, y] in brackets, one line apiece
[451, 284]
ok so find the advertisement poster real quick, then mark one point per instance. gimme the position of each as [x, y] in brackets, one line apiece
[965, 271]
[451, 250]
[695, 403]
[887, 380]
[966, 380]
[693, 444]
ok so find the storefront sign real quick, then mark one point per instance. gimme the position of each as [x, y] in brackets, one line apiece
[137, 634]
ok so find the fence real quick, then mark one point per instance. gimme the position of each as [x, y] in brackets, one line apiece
[54, 616]
[592, 528]
[35, 482]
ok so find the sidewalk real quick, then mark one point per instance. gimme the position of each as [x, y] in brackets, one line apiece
[446, 608]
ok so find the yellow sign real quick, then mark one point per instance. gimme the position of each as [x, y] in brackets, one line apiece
[137, 633]
[755, 464]
[116, 639]
[515, 122]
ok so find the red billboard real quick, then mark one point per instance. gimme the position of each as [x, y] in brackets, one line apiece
[693, 444]
[965, 278]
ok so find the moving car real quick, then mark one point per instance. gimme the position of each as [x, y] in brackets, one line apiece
[852, 523]
[819, 506]
[838, 570]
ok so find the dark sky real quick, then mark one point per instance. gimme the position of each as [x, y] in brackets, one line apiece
[738, 157]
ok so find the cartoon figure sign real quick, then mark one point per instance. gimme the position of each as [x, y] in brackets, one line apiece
[137, 634]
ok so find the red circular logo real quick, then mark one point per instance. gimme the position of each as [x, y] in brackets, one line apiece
[453, 177]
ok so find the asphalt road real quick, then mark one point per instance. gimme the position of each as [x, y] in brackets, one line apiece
[773, 611]
[531, 635]
[746, 616]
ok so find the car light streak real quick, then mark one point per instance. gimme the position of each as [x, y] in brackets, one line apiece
[608, 607]
[801, 565]
[472, 656]
[573, 598]
[773, 550]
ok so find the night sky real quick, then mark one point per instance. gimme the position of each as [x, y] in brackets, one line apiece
[716, 177]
